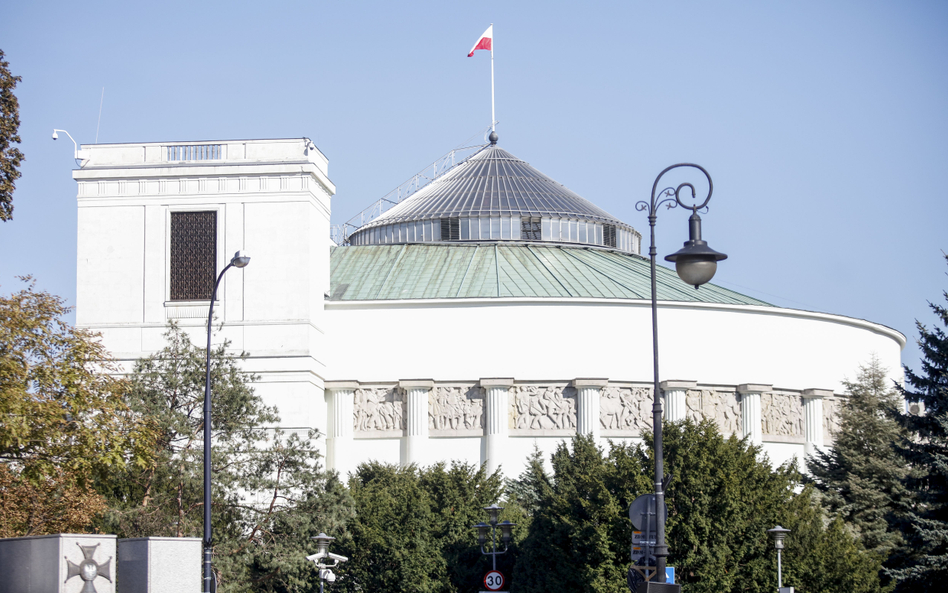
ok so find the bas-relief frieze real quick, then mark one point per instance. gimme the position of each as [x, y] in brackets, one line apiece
[722, 407]
[456, 408]
[625, 408]
[831, 407]
[540, 407]
[379, 408]
[781, 414]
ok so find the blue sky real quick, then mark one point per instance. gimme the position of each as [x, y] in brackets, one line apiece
[823, 125]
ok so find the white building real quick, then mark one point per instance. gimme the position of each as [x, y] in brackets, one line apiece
[490, 312]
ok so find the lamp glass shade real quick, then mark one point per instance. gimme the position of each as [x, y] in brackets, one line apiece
[695, 271]
[322, 543]
[506, 530]
[493, 511]
[240, 260]
[482, 533]
[778, 533]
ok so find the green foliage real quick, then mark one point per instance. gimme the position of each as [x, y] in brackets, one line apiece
[722, 500]
[269, 494]
[63, 420]
[10, 157]
[861, 477]
[413, 529]
[923, 563]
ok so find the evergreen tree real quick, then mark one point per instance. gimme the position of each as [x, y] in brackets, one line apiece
[923, 562]
[861, 477]
[269, 494]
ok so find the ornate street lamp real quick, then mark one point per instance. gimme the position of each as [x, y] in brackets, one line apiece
[506, 533]
[779, 533]
[695, 263]
[240, 260]
[322, 551]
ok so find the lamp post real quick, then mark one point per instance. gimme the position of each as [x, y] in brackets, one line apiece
[240, 260]
[322, 551]
[779, 533]
[506, 535]
[695, 263]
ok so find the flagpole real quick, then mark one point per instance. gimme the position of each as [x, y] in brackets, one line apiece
[493, 118]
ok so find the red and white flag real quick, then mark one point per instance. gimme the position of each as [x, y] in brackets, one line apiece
[485, 42]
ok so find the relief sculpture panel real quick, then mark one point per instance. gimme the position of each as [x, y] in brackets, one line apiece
[721, 407]
[456, 408]
[781, 414]
[625, 408]
[544, 408]
[379, 408]
[831, 407]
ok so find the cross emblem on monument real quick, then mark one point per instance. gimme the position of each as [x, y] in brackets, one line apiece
[88, 569]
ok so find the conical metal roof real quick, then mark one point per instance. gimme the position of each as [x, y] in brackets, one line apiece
[491, 183]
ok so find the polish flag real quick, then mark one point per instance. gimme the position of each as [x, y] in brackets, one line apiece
[484, 42]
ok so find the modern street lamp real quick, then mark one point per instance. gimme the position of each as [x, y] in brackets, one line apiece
[322, 551]
[695, 263]
[506, 533]
[240, 260]
[779, 533]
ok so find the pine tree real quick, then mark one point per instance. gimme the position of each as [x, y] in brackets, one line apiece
[924, 564]
[861, 477]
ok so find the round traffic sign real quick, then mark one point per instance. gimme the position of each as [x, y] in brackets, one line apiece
[494, 580]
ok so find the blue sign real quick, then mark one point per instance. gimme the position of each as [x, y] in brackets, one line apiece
[670, 574]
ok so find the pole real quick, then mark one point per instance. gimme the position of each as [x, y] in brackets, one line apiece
[493, 118]
[208, 550]
[779, 572]
[661, 551]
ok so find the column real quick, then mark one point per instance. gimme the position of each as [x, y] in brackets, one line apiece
[813, 419]
[340, 398]
[675, 396]
[496, 421]
[750, 410]
[588, 392]
[415, 441]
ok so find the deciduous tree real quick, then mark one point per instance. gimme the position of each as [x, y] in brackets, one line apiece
[10, 156]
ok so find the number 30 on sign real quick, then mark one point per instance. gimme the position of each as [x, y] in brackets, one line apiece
[494, 580]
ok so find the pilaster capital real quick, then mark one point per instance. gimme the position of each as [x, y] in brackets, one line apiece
[337, 385]
[817, 393]
[586, 382]
[678, 385]
[497, 382]
[745, 388]
[416, 383]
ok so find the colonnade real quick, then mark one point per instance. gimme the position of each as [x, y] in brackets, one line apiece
[414, 438]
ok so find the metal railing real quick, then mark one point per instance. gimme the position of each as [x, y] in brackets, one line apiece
[194, 152]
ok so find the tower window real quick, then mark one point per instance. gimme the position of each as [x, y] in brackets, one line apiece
[609, 235]
[193, 256]
[450, 229]
[530, 228]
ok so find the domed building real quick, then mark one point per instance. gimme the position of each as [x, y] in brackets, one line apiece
[490, 313]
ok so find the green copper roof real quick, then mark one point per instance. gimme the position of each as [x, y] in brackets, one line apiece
[444, 271]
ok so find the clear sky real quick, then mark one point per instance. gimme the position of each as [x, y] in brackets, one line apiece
[824, 125]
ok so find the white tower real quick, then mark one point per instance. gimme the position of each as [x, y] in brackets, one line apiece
[158, 221]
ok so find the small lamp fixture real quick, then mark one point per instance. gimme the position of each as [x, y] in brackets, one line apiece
[240, 260]
[322, 540]
[779, 534]
[696, 262]
[493, 511]
[506, 531]
[482, 529]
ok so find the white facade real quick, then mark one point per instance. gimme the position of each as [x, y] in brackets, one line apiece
[423, 380]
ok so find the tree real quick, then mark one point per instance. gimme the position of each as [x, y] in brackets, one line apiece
[64, 422]
[413, 529]
[10, 156]
[269, 494]
[923, 561]
[861, 477]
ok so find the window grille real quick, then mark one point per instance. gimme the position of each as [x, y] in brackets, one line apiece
[194, 152]
[609, 235]
[450, 229]
[193, 255]
[530, 228]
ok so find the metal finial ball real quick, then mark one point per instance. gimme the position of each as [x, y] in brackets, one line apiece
[493, 137]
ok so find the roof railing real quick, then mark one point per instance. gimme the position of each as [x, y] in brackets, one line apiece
[340, 233]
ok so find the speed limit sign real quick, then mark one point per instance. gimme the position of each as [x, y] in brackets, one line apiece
[494, 580]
